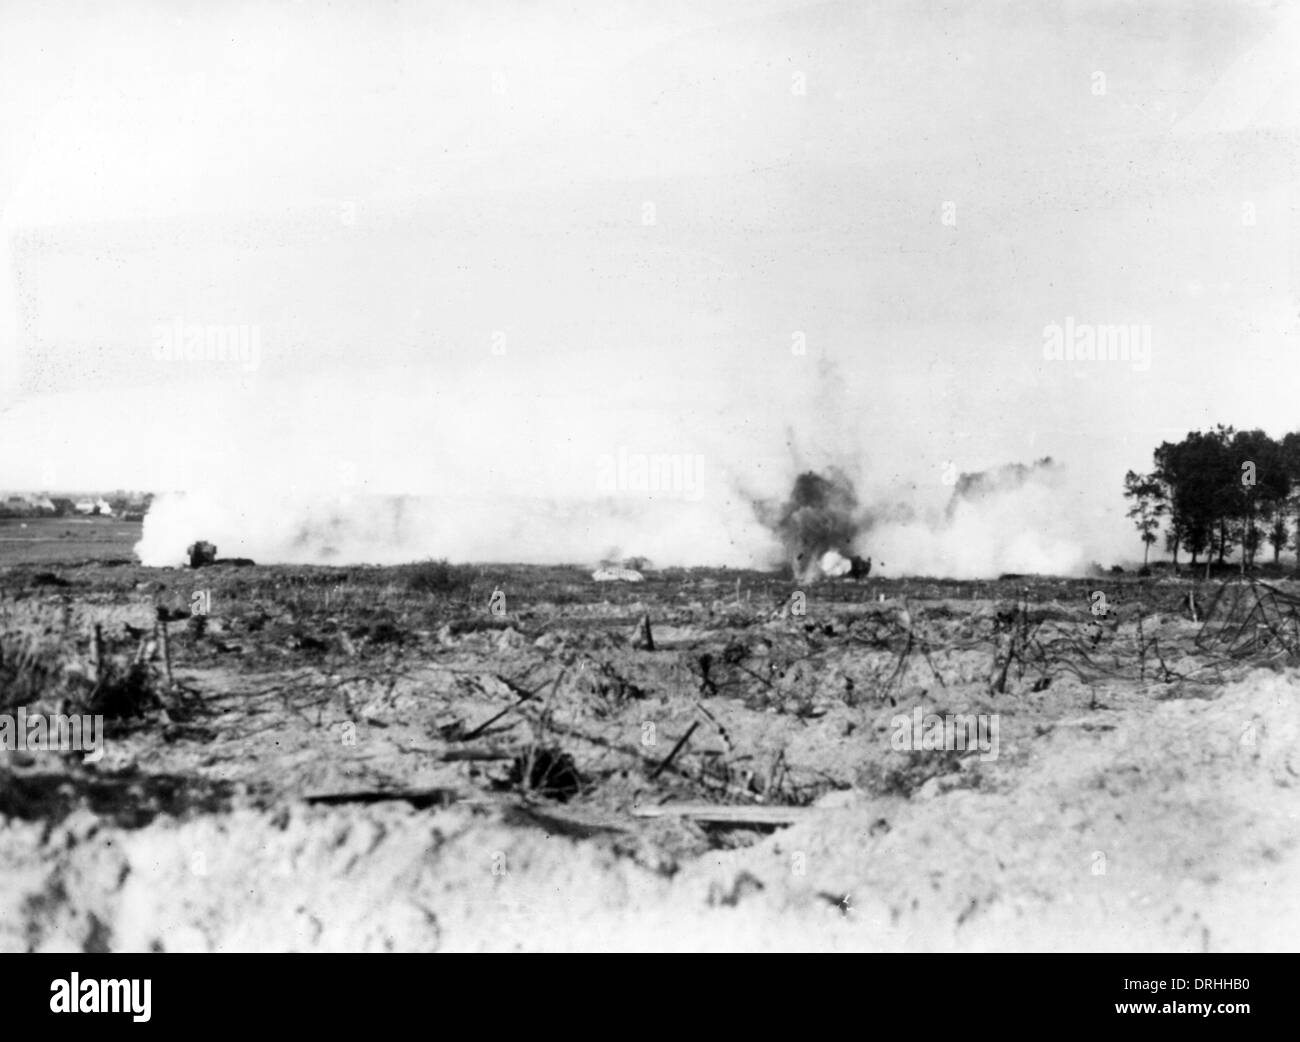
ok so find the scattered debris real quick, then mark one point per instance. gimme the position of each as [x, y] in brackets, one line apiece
[546, 770]
[460, 627]
[611, 688]
[521, 694]
[1251, 618]
[785, 700]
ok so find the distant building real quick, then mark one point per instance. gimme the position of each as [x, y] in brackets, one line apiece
[38, 504]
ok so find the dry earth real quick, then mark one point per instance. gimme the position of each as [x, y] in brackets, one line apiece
[371, 759]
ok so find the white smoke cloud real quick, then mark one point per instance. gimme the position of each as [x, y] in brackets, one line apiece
[1026, 529]
[512, 463]
[409, 464]
[1015, 518]
[301, 529]
[1029, 529]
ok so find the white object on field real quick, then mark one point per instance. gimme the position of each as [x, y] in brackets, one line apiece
[611, 575]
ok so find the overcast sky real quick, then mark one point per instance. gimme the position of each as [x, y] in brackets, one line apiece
[646, 208]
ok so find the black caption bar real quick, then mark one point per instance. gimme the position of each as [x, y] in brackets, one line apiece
[1240, 993]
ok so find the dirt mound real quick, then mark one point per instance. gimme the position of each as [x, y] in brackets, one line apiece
[1146, 829]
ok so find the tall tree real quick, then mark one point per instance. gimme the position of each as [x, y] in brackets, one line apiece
[1290, 453]
[1223, 488]
[1262, 482]
[1225, 497]
[1196, 473]
[1278, 531]
[1148, 506]
[1173, 541]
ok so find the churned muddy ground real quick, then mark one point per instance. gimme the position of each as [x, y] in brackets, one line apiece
[376, 759]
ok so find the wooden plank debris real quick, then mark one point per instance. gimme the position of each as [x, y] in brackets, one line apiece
[417, 798]
[728, 815]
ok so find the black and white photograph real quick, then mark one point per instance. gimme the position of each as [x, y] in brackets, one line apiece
[650, 476]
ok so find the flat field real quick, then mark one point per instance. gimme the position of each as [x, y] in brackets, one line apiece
[66, 539]
[491, 757]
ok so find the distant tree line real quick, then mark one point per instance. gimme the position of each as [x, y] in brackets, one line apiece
[1218, 492]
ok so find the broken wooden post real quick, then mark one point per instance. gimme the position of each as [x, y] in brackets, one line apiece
[99, 654]
[675, 750]
[645, 637]
[1142, 648]
[167, 651]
